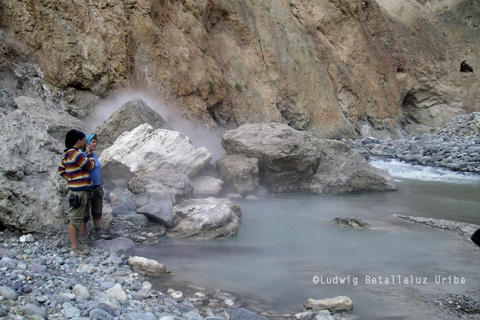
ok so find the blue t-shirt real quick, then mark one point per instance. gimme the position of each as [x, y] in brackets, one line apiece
[95, 173]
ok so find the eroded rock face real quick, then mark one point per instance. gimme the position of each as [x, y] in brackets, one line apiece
[334, 68]
[145, 149]
[33, 195]
[57, 122]
[208, 218]
[296, 161]
[128, 117]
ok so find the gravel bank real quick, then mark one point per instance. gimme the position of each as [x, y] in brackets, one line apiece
[41, 279]
[462, 229]
[456, 146]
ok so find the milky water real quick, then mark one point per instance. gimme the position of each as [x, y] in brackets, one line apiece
[286, 243]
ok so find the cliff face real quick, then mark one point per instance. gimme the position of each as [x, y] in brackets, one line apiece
[336, 68]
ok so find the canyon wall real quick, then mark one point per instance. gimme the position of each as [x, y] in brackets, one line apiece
[335, 68]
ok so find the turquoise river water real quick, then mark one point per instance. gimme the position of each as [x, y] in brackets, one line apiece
[286, 244]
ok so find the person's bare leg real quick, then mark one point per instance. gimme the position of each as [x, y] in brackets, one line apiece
[73, 233]
[96, 223]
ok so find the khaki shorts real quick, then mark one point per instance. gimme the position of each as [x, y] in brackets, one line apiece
[96, 197]
[81, 213]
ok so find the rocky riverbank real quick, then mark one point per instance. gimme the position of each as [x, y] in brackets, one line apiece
[462, 229]
[456, 146]
[41, 279]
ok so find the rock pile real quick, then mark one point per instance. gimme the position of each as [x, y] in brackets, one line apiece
[455, 146]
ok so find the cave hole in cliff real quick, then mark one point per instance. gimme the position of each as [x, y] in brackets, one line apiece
[2, 227]
[465, 67]
[408, 106]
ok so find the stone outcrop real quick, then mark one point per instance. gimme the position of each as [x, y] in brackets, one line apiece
[208, 218]
[163, 181]
[334, 68]
[296, 161]
[239, 172]
[57, 122]
[33, 195]
[145, 149]
[128, 117]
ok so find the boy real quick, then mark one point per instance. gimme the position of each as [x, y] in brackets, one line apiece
[74, 168]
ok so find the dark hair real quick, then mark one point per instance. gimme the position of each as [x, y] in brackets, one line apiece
[72, 137]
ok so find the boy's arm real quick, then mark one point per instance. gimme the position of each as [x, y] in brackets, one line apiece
[85, 162]
[61, 170]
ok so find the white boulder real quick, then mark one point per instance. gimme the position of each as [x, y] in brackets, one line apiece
[145, 149]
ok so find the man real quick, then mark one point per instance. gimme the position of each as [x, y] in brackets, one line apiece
[74, 168]
[96, 193]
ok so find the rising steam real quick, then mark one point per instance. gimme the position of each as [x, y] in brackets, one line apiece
[200, 137]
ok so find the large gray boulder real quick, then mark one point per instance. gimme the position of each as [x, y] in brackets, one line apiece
[164, 181]
[287, 158]
[296, 161]
[33, 195]
[239, 172]
[342, 170]
[145, 149]
[128, 117]
[57, 121]
[208, 218]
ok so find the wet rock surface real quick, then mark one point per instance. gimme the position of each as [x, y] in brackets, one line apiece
[350, 222]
